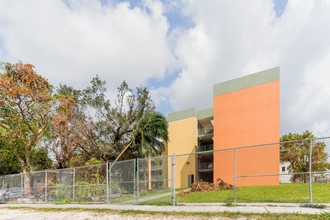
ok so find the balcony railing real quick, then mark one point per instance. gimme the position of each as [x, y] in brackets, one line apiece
[205, 166]
[207, 147]
[202, 132]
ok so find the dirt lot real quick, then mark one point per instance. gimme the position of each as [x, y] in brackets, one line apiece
[20, 214]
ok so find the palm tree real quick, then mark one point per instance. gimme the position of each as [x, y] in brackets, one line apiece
[152, 135]
[149, 137]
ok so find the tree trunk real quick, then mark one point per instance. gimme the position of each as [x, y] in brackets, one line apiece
[26, 177]
[121, 153]
[27, 184]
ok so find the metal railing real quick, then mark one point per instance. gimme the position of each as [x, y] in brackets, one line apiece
[208, 147]
[202, 132]
[205, 166]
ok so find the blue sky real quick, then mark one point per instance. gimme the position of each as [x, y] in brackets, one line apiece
[179, 49]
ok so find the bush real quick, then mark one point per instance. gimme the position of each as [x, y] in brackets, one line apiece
[89, 192]
[60, 192]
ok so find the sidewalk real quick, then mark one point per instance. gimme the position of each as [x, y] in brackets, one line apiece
[242, 208]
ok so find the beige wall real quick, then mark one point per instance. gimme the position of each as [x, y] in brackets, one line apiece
[183, 140]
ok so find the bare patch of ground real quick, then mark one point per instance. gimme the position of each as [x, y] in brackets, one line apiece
[20, 214]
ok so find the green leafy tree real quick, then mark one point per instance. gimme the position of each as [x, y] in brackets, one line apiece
[40, 159]
[8, 161]
[150, 137]
[296, 151]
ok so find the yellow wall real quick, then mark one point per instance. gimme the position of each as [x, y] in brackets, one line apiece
[183, 140]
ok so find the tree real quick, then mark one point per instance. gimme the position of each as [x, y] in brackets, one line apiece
[295, 149]
[130, 122]
[64, 132]
[150, 136]
[72, 137]
[25, 111]
[87, 125]
[9, 163]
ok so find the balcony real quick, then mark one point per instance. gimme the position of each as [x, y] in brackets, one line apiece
[207, 147]
[205, 166]
[202, 132]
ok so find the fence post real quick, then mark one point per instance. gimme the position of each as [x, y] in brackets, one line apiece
[74, 185]
[235, 175]
[134, 178]
[110, 182]
[310, 172]
[22, 179]
[137, 180]
[107, 181]
[46, 185]
[173, 174]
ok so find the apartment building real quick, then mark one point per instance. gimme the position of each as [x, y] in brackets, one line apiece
[246, 111]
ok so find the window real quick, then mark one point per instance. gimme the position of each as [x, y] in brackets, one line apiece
[283, 169]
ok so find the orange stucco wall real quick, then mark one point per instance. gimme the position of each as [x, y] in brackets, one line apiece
[247, 117]
[183, 140]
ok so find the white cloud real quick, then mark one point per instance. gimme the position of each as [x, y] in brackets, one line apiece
[321, 128]
[72, 44]
[227, 39]
[235, 38]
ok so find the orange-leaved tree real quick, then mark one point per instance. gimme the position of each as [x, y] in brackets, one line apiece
[25, 112]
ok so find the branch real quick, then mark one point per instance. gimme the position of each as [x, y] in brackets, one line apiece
[121, 153]
[23, 116]
[4, 125]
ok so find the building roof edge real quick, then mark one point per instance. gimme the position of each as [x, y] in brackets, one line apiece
[179, 115]
[248, 81]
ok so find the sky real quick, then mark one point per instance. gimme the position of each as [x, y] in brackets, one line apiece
[179, 49]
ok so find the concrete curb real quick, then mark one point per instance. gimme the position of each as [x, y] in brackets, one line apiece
[305, 205]
[201, 208]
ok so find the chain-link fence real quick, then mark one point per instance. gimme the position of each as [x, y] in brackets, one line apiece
[154, 179]
[291, 172]
[287, 172]
[122, 181]
[126, 182]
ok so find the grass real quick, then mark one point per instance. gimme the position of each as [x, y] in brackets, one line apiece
[146, 193]
[283, 193]
[143, 194]
[183, 215]
[158, 202]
